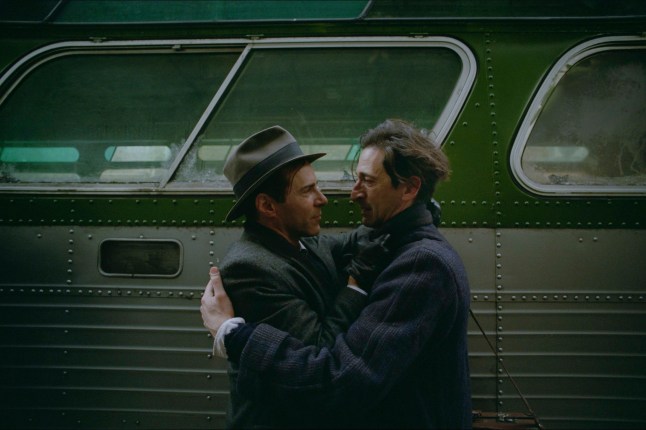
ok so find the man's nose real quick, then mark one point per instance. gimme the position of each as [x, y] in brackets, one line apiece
[357, 191]
[322, 200]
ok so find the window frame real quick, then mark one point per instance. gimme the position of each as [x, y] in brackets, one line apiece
[552, 79]
[20, 69]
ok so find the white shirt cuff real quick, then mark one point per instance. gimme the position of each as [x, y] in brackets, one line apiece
[355, 288]
[218, 343]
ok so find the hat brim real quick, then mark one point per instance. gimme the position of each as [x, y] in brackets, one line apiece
[236, 210]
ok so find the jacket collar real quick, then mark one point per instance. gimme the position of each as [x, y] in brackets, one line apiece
[272, 240]
[404, 222]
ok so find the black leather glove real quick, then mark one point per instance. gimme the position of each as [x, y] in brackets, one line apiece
[371, 258]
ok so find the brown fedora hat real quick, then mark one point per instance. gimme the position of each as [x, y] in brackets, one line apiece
[256, 158]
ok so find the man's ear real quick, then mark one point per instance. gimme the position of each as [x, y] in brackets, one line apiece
[265, 205]
[411, 188]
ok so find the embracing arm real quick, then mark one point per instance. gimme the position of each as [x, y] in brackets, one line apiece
[262, 295]
[362, 366]
[287, 294]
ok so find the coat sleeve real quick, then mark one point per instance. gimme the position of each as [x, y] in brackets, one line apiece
[336, 250]
[406, 306]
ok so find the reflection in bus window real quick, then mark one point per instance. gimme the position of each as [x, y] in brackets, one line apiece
[131, 154]
[25, 163]
[326, 97]
[107, 108]
[592, 129]
[43, 154]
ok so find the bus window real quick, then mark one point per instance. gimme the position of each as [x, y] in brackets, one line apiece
[327, 97]
[123, 112]
[590, 135]
[85, 11]
[165, 114]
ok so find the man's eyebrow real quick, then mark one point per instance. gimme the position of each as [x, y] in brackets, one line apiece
[309, 186]
[367, 175]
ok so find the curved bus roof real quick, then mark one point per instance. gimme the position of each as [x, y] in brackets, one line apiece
[70, 12]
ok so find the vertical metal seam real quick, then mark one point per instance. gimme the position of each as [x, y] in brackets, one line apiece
[488, 71]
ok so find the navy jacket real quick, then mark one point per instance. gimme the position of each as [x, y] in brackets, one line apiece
[402, 364]
[302, 292]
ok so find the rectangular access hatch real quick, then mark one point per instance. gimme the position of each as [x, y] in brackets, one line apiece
[157, 258]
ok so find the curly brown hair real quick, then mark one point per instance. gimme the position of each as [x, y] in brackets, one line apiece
[409, 152]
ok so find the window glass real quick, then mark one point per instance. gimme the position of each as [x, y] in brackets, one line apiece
[146, 114]
[505, 8]
[105, 11]
[111, 117]
[326, 97]
[591, 132]
[26, 10]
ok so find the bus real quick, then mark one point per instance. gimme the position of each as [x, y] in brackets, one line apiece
[116, 118]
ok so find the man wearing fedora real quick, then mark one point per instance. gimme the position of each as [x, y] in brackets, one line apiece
[404, 362]
[281, 272]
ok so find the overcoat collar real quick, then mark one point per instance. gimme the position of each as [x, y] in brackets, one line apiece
[408, 220]
[272, 240]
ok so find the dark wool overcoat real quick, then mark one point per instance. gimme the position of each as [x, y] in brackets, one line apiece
[402, 364]
[301, 291]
